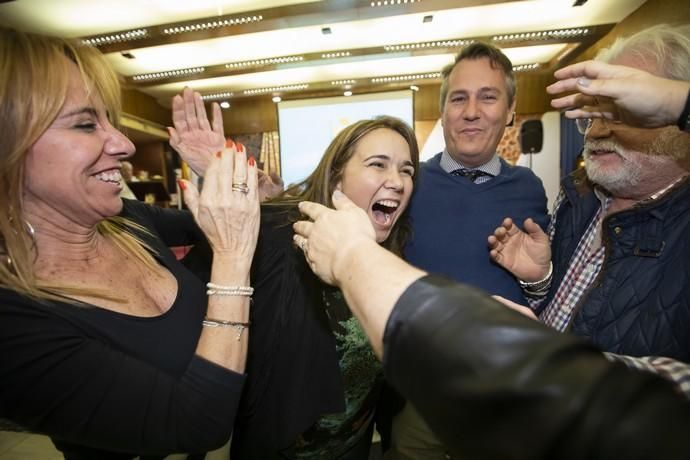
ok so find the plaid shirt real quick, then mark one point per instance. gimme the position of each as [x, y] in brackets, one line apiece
[585, 264]
[583, 269]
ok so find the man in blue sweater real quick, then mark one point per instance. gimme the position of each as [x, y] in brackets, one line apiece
[463, 193]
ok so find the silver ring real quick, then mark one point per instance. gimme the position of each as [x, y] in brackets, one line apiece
[240, 187]
[304, 245]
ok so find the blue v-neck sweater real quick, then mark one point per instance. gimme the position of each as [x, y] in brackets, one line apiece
[452, 218]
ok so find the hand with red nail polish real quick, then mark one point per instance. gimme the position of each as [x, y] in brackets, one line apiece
[193, 137]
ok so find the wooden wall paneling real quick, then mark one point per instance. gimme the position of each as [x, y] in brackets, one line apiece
[426, 106]
[250, 115]
[531, 92]
[146, 107]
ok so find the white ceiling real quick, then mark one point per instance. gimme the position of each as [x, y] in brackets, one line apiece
[82, 18]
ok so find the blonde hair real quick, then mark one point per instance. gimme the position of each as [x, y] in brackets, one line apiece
[321, 183]
[34, 80]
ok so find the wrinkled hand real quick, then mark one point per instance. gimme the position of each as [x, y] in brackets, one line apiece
[622, 93]
[517, 307]
[193, 137]
[229, 218]
[525, 255]
[327, 240]
[270, 186]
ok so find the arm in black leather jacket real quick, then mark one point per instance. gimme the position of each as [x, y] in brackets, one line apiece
[494, 384]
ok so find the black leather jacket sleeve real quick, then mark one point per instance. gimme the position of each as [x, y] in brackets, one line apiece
[493, 384]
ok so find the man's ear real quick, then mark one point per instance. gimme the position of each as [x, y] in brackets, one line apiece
[511, 115]
[511, 119]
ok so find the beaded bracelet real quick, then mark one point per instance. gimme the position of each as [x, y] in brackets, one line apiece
[217, 289]
[538, 286]
[240, 326]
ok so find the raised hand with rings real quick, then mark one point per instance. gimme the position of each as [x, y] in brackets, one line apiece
[230, 220]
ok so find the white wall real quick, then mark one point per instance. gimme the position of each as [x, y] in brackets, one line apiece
[547, 163]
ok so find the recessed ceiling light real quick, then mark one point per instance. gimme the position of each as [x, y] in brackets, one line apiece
[277, 99]
[326, 31]
[347, 93]
[225, 105]
[428, 18]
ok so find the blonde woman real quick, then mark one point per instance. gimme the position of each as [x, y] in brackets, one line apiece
[107, 343]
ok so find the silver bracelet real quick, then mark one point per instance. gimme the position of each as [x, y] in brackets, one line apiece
[217, 289]
[537, 286]
[240, 326]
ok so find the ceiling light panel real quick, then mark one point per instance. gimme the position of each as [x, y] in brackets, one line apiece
[214, 96]
[57, 17]
[400, 29]
[364, 70]
[168, 74]
[212, 24]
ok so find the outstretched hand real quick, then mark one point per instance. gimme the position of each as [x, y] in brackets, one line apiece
[193, 137]
[621, 93]
[327, 240]
[527, 255]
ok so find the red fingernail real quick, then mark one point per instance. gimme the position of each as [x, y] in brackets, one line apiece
[251, 161]
[218, 153]
[182, 185]
[229, 143]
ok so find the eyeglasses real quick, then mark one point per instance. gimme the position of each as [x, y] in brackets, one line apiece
[584, 124]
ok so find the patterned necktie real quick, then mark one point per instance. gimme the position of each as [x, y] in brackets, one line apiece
[472, 174]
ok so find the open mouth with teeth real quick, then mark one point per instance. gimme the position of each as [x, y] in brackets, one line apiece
[112, 176]
[383, 211]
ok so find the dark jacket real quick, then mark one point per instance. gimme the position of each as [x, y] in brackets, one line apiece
[639, 304]
[493, 384]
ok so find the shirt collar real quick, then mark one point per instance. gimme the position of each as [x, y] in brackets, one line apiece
[492, 167]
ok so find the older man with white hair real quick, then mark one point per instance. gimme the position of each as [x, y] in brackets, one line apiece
[614, 266]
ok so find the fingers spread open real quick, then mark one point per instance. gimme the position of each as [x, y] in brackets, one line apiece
[217, 120]
[200, 109]
[174, 137]
[178, 114]
[190, 109]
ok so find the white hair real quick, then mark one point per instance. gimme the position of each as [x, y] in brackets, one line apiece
[664, 46]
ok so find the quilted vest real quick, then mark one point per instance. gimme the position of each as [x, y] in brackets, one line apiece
[639, 304]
